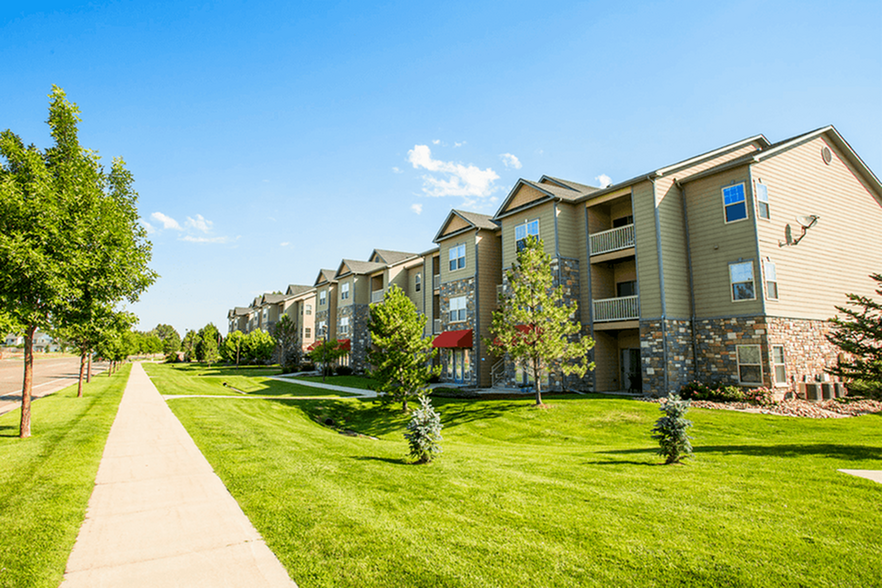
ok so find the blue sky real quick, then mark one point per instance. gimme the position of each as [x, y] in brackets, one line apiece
[269, 140]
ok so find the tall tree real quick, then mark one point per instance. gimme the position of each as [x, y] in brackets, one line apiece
[188, 345]
[858, 332]
[287, 337]
[400, 356]
[232, 348]
[207, 345]
[171, 341]
[533, 324]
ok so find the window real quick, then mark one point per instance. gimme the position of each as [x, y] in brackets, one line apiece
[521, 232]
[418, 282]
[308, 309]
[778, 364]
[735, 203]
[344, 325]
[628, 288]
[307, 333]
[750, 368]
[623, 221]
[457, 257]
[762, 201]
[771, 280]
[457, 309]
[741, 278]
[344, 291]
[321, 329]
[323, 297]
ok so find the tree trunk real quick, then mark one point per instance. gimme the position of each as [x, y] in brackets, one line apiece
[89, 369]
[538, 380]
[27, 384]
[80, 379]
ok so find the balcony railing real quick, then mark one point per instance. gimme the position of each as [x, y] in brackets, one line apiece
[616, 309]
[377, 295]
[612, 240]
[436, 281]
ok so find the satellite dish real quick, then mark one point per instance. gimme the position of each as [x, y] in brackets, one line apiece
[807, 222]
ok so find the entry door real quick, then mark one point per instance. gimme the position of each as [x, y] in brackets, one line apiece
[461, 365]
[632, 380]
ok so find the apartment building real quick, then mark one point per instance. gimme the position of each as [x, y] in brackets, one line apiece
[724, 268]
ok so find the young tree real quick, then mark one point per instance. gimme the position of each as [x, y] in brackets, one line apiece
[188, 345]
[259, 347]
[207, 345]
[400, 356]
[859, 334]
[171, 341]
[325, 354]
[232, 347]
[287, 337]
[533, 324]
[670, 430]
[424, 432]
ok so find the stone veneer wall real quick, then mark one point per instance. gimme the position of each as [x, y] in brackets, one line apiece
[806, 348]
[454, 289]
[680, 366]
[715, 341]
[358, 335]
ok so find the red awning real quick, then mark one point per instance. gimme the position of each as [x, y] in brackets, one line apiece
[457, 339]
[313, 345]
[344, 344]
[522, 328]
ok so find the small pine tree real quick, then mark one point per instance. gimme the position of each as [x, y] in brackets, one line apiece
[859, 334]
[670, 430]
[424, 432]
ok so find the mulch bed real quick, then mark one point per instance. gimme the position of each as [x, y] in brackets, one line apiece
[828, 409]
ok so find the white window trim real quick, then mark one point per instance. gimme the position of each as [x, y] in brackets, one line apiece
[757, 202]
[344, 291]
[463, 309]
[526, 226]
[323, 297]
[732, 284]
[458, 257]
[739, 364]
[766, 280]
[776, 365]
[344, 325]
[418, 282]
[746, 207]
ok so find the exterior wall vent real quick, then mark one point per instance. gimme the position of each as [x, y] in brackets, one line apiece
[826, 155]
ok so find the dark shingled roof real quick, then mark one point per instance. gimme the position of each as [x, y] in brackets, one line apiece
[481, 221]
[295, 289]
[393, 257]
[361, 267]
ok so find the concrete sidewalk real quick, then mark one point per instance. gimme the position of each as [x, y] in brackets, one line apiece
[159, 516]
[356, 392]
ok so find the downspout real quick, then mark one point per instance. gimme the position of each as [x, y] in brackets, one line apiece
[691, 279]
[661, 283]
[761, 272]
[590, 310]
[477, 339]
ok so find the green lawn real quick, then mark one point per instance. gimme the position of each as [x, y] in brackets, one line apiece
[360, 382]
[571, 495]
[194, 378]
[46, 480]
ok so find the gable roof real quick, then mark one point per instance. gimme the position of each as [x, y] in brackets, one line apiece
[238, 311]
[324, 276]
[353, 266]
[297, 289]
[272, 298]
[473, 220]
[391, 257]
[569, 184]
[550, 191]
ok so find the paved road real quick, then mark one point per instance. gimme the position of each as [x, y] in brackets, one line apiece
[51, 374]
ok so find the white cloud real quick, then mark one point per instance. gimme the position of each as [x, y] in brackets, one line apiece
[604, 180]
[397, 170]
[458, 143]
[285, 244]
[417, 208]
[511, 161]
[192, 239]
[199, 223]
[436, 141]
[166, 221]
[147, 226]
[455, 179]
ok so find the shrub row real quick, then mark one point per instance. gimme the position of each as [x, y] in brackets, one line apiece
[761, 396]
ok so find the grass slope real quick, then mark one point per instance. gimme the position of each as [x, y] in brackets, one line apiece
[568, 496]
[47, 479]
[197, 378]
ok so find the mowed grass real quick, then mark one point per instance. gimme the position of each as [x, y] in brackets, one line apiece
[360, 382]
[572, 495]
[47, 479]
[195, 378]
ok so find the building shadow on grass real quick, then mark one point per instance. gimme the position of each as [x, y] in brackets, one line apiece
[834, 451]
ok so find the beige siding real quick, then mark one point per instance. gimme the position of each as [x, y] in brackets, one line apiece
[625, 271]
[456, 224]
[646, 251]
[606, 361]
[678, 301]
[469, 269]
[570, 230]
[340, 285]
[361, 286]
[525, 195]
[398, 276]
[545, 214]
[838, 253]
[489, 276]
[416, 297]
[712, 162]
[714, 244]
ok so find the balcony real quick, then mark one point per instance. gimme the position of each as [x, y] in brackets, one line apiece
[625, 308]
[377, 295]
[436, 282]
[612, 240]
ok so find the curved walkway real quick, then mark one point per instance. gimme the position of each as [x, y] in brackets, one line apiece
[356, 392]
[159, 516]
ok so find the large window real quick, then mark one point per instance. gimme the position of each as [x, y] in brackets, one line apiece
[323, 297]
[778, 364]
[344, 325]
[521, 232]
[418, 282]
[308, 309]
[321, 329]
[750, 365]
[307, 333]
[762, 201]
[457, 309]
[735, 203]
[771, 277]
[741, 280]
[628, 288]
[457, 257]
[344, 291]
